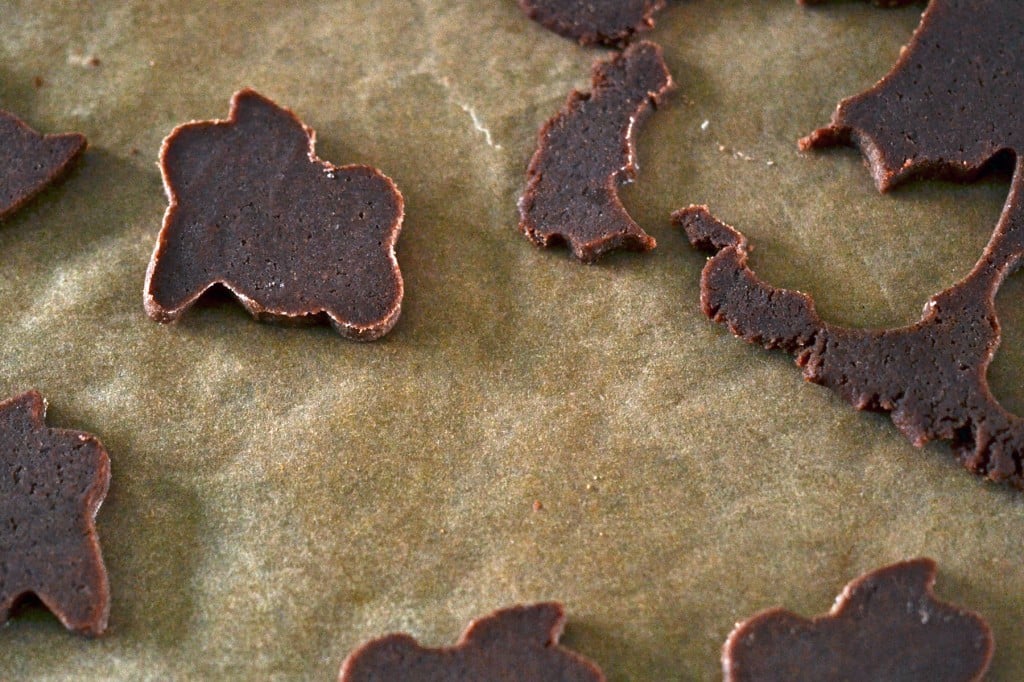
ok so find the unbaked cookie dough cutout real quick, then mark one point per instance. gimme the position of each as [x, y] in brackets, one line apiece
[52, 483]
[294, 238]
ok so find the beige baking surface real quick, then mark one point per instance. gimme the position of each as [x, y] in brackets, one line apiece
[280, 495]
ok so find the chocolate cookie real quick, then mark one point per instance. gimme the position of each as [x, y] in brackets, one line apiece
[880, 3]
[951, 102]
[594, 22]
[517, 644]
[296, 239]
[886, 625]
[946, 109]
[586, 151]
[931, 375]
[30, 161]
[51, 486]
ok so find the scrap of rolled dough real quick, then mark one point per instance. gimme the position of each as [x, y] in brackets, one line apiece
[586, 151]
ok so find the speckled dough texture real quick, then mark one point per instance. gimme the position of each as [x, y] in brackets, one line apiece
[886, 625]
[586, 151]
[516, 644]
[951, 102]
[593, 22]
[30, 161]
[52, 482]
[295, 239]
[931, 376]
[281, 496]
[945, 110]
[880, 3]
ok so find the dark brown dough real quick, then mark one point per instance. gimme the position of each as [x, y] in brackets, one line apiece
[949, 105]
[946, 109]
[517, 644]
[52, 484]
[296, 239]
[880, 3]
[886, 625]
[30, 161]
[931, 376]
[586, 151]
[594, 22]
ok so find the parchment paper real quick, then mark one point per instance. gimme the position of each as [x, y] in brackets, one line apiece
[280, 495]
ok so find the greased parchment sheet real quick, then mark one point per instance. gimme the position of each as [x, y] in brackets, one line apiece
[280, 495]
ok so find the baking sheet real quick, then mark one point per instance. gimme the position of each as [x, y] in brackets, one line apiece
[280, 495]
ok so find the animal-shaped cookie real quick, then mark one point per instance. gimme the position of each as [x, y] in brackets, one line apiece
[886, 625]
[52, 482]
[517, 644]
[30, 161]
[951, 102]
[294, 238]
